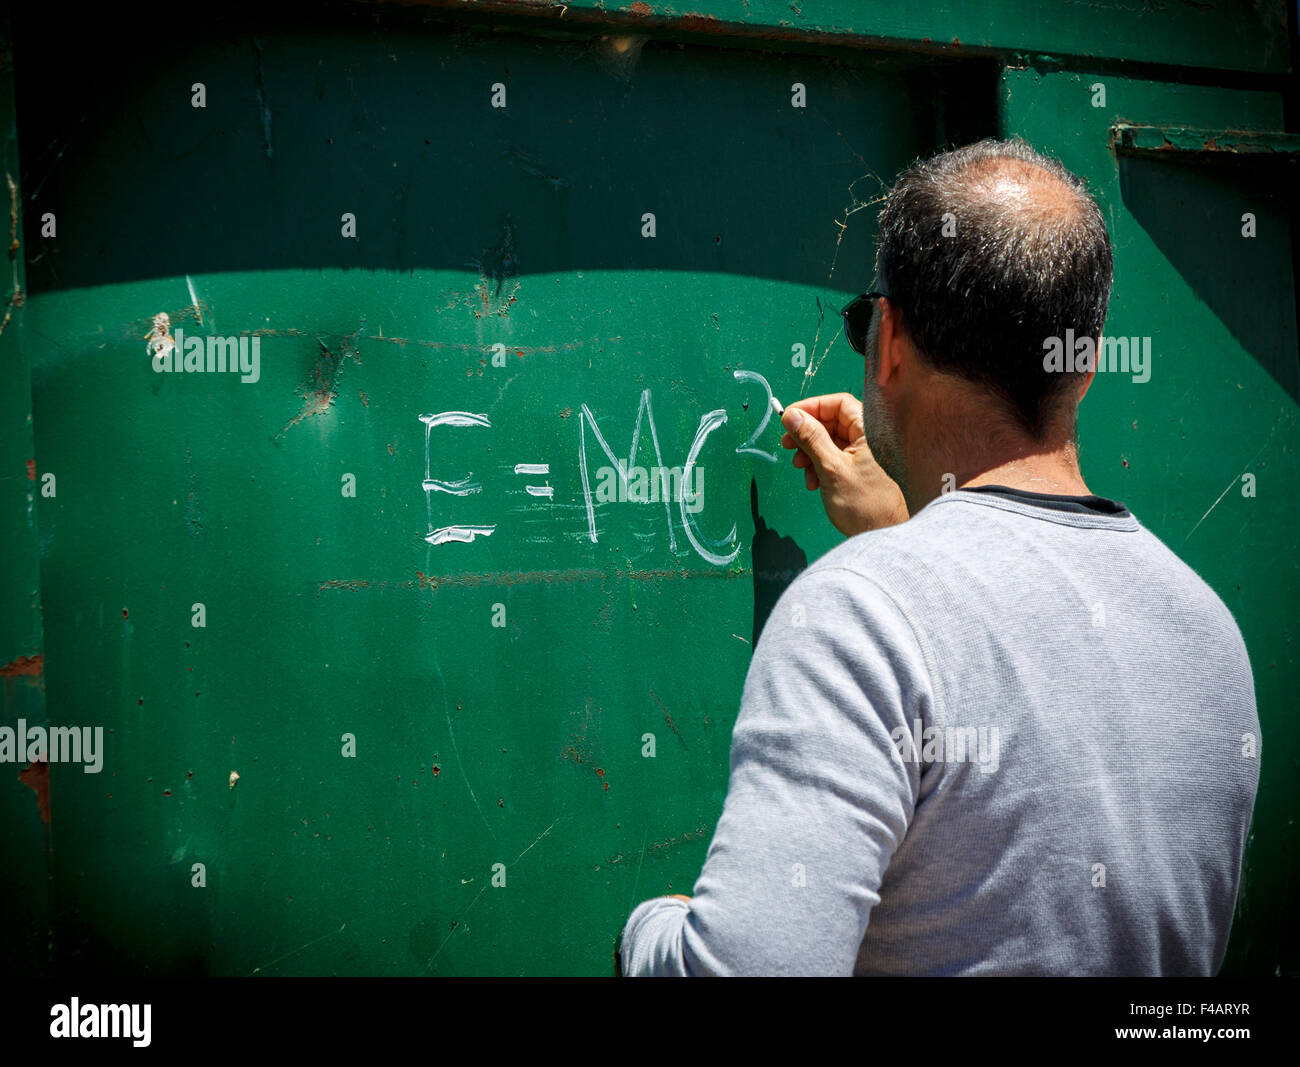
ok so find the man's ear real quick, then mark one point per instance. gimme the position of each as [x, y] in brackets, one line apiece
[895, 345]
[1087, 378]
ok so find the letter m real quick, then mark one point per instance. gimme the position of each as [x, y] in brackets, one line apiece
[218, 348]
[1114, 355]
[643, 411]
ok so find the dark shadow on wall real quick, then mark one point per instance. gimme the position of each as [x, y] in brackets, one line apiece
[389, 118]
[777, 562]
[1192, 207]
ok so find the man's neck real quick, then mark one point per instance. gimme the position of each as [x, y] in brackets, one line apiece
[1023, 464]
[1056, 473]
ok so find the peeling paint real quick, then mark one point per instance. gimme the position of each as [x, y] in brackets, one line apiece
[1137, 139]
[16, 297]
[36, 777]
[24, 665]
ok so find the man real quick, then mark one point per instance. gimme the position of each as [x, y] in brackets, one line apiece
[1011, 733]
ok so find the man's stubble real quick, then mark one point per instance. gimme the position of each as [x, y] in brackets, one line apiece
[882, 434]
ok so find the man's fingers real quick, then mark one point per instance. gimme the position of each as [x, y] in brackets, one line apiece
[840, 413]
[787, 442]
[811, 437]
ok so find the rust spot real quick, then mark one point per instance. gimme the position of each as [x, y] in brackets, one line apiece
[566, 413]
[689, 835]
[124, 614]
[390, 451]
[322, 388]
[573, 574]
[436, 770]
[31, 470]
[695, 20]
[24, 665]
[167, 792]
[640, 7]
[36, 777]
[365, 399]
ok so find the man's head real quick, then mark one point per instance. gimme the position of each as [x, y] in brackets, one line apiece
[986, 252]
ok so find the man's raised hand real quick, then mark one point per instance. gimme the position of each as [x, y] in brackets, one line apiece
[833, 453]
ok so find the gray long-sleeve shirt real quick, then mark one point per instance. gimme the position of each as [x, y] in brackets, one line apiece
[1004, 737]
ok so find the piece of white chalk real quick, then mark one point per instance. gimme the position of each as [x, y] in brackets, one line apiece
[777, 407]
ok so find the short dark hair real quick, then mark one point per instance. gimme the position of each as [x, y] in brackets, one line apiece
[981, 302]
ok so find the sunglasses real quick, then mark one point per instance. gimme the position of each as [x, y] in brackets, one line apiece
[857, 319]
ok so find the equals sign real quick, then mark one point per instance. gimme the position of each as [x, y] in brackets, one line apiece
[536, 468]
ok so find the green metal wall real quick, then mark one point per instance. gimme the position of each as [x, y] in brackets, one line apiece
[522, 744]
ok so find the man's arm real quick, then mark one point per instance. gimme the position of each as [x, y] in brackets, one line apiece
[818, 797]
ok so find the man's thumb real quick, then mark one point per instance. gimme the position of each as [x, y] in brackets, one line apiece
[810, 435]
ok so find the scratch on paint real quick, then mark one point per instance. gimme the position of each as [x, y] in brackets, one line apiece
[456, 923]
[453, 928]
[455, 749]
[300, 948]
[640, 861]
[1235, 480]
[668, 718]
[539, 837]
[194, 299]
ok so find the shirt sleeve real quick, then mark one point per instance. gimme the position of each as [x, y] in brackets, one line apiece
[819, 796]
